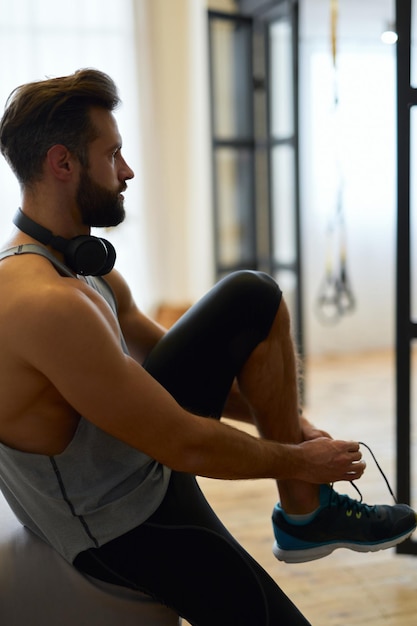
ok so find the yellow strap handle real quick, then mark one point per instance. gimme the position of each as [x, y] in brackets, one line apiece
[334, 15]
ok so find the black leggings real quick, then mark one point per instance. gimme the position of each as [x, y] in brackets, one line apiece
[183, 555]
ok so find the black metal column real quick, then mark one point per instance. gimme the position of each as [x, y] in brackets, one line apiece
[406, 330]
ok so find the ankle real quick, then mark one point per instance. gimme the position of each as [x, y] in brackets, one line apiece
[298, 498]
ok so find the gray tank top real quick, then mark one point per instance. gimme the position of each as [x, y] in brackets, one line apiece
[94, 491]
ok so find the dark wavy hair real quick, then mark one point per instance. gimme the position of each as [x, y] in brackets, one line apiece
[41, 114]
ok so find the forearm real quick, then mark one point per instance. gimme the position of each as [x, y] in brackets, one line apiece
[130, 405]
[144, 415]
[217, 450]
[221, 451]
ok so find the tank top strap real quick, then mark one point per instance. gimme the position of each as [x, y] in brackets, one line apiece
[33, 248]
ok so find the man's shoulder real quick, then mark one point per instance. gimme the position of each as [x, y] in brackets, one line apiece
[32, 286]
[28, 272]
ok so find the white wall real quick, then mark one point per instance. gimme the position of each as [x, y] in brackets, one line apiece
[363, 129]
[173, 87]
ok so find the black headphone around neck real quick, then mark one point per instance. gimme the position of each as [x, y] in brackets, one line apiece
[85, 255]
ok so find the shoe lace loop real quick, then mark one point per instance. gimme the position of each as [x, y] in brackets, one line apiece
[356, 507]
[381, 471]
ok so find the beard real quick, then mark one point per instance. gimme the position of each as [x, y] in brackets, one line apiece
[99, 207]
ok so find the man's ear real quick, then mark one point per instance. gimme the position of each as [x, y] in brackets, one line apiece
[60, 162]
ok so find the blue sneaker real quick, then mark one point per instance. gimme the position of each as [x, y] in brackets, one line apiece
[340, 522]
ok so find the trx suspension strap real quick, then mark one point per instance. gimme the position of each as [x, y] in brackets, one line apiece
[335, 298]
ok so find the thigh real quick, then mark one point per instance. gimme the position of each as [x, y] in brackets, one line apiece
[201, 354]
[185, 557]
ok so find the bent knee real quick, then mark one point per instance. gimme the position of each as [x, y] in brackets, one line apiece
[255, 298]
[254, 286]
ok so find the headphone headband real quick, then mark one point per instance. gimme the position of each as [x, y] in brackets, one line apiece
[85, 254]
[38, 232]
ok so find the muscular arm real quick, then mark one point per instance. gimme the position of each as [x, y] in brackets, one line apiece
[72, 339]
[140, 332]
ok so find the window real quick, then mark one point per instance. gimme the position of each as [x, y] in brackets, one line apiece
[254, 58]
[39, 39]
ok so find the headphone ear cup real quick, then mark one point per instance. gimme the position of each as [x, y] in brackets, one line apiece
[111, 258]
[90, 256]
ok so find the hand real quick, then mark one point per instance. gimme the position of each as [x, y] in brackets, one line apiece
[327, 460]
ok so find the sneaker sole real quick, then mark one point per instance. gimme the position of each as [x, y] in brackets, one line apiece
[312, 554]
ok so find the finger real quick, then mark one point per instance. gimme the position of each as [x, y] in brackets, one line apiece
[353, 446]
[357, 469]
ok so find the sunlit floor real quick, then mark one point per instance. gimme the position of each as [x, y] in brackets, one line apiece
[353, 398]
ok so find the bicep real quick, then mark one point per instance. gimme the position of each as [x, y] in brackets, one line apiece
[75, 345]
[140, 332]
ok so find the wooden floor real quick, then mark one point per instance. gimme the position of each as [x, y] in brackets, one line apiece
[352, 397]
